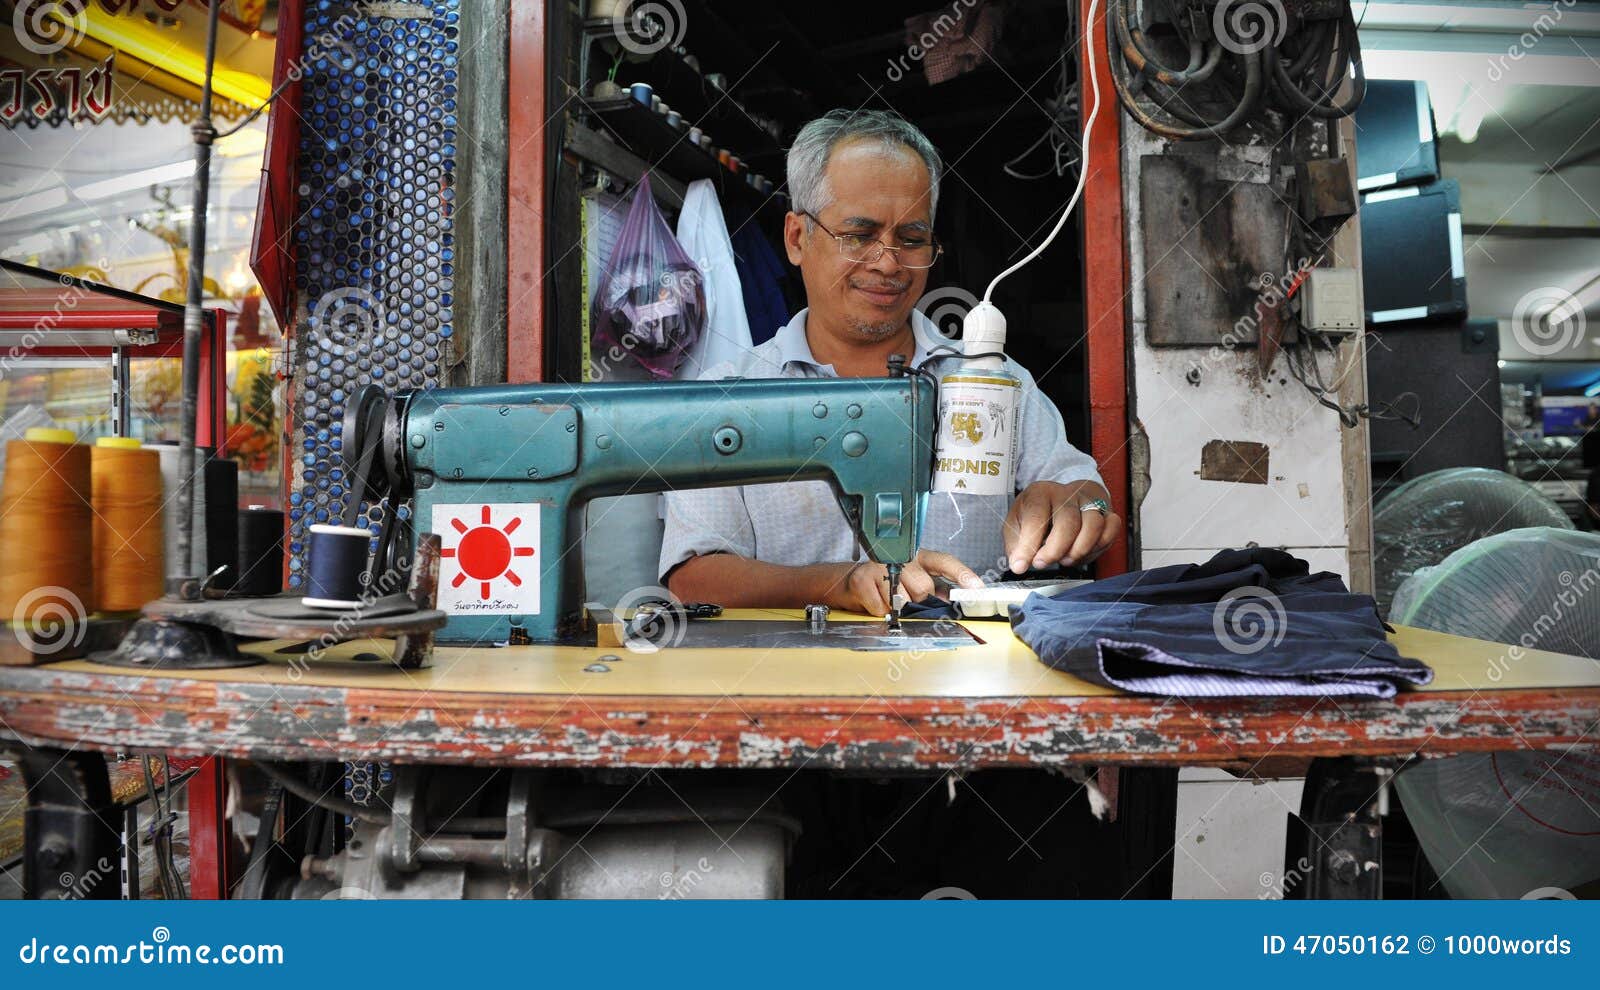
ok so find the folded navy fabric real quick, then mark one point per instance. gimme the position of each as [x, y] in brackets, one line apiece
[1246, 622]
[929, 608]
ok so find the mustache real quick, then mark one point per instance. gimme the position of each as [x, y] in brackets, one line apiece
[882, 287]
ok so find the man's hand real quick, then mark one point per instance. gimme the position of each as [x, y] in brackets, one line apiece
[1048, 526]
[865, 586]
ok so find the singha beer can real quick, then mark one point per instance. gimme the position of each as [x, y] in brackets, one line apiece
[976, 452]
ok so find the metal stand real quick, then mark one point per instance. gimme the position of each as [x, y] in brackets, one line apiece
[308, 832]
[200, 635]
[72, 847]
[164, 643]
[22, 647]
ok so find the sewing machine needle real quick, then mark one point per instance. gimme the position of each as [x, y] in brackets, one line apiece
[892, 620]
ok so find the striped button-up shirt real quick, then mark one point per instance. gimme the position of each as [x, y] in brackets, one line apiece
[800, 522]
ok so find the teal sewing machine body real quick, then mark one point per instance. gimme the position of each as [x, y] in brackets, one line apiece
[503, 474]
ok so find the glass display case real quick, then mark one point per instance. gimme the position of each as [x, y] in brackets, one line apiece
[101, 361]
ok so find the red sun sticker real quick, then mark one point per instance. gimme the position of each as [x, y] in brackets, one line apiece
[489, 556]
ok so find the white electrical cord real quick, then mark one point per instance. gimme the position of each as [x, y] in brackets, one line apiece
[1083, 156]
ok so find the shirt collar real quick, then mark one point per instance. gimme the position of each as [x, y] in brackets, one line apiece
[793, 347]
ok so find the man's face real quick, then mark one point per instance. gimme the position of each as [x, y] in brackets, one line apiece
[880, 191]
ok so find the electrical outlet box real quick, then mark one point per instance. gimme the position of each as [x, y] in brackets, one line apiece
[1330, 300]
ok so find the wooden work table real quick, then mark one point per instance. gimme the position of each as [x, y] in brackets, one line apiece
[990, 704]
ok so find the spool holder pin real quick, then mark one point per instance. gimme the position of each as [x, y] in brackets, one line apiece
[205, 582]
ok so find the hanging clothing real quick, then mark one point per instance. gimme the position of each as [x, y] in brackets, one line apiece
[761, 278]
[703, 234]
[1246, 622]
[954, 41]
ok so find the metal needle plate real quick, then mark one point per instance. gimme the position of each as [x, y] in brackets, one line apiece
[789, 634]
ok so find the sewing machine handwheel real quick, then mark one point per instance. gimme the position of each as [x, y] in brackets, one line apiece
[371, 428]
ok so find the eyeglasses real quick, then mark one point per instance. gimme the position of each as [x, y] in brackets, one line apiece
[911, 252]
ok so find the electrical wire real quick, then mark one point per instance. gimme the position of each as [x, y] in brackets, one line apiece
[943, 350]
[1063, 104]
[1296, 71]
[159, 831]
[1129, 84]
[252, 115]
[180, 887]
[1083, 173]
[162, 877]
[1296, 359]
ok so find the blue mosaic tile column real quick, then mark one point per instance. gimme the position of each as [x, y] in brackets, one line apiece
[372, 240]
[373, 237]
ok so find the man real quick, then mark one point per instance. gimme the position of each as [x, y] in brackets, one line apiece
[864, 186]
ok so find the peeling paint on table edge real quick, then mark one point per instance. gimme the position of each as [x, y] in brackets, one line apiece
[287, 722]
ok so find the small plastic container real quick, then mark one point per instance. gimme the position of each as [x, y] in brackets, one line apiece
[995, 600]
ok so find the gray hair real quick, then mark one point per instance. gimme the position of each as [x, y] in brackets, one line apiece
[808, 157]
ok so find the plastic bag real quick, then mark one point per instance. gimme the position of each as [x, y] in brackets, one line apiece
[651, 304]
[1519, 824]
[1508, 825]
[1428, 518]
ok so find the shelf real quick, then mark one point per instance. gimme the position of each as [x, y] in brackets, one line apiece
[648, 136]
[702, 105]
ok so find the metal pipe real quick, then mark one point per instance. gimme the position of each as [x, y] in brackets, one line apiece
[182, 573]
[462, 849]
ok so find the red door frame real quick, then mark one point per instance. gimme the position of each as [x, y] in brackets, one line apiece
[209, 835]
[1105, 276]
[529, 129]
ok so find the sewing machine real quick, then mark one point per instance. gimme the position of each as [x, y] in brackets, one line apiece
[503, 473]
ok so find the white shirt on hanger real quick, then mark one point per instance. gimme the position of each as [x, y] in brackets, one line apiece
[704, 235]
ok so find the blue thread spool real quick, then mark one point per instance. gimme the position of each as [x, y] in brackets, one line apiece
[641, 93]
[338, 559]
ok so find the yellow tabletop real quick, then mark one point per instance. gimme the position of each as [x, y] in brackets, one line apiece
[1001, 666]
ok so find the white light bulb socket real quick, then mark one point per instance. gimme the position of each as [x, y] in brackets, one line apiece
[983, 331]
